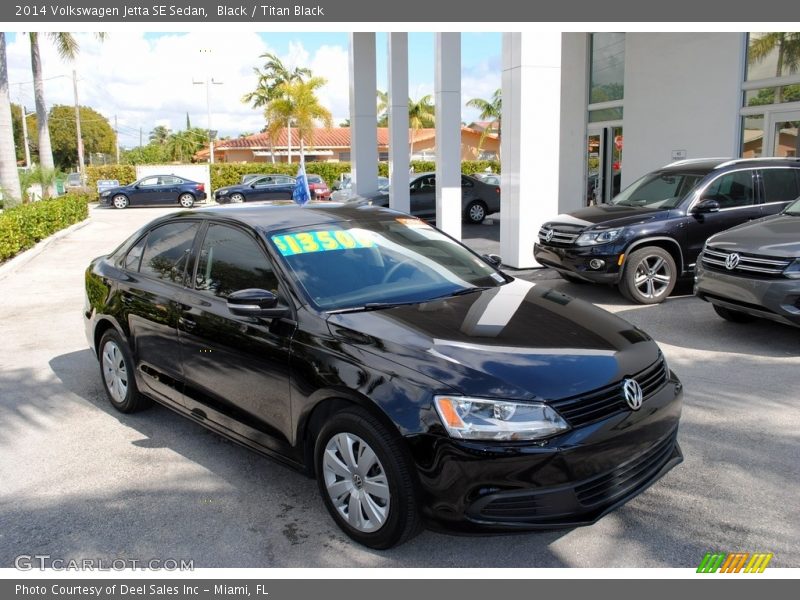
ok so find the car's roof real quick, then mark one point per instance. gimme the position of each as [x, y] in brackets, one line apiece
[706, 165]
[285, 214]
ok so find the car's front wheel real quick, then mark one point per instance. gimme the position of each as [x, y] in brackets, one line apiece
[186, 200]
[117, 370]
[649, 276]
[237, 198]
[120, 201]
[366, 480]
[734, 316]
[475, 212]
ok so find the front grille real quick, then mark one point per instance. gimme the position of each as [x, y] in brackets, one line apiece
[717, 260]
[559, 237]
[602, 403]
[627, 477]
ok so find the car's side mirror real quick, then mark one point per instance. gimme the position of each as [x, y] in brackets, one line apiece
[706, 205]
[255, 302]
[136, 187]
[493, 259]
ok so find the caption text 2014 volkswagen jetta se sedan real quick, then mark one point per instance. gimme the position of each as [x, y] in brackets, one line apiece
[412, 378]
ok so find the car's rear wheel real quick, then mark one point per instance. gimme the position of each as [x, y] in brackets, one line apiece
[120, 201]
[734, 316]
[117, 370]
[186, 200]
[475, 212]
[571, 278]
[649, 276]
[366, 480]
[237, 198]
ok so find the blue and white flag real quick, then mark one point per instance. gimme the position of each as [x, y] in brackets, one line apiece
[301, 193]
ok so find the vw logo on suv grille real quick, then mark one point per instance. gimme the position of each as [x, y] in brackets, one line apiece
[732, 261]
[633, 393]
[549, 235]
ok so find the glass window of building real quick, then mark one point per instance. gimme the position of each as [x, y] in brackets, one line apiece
[608, 67]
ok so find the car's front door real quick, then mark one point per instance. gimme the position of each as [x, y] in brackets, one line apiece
[736, 195]
[236, 368]
[151, 298]
[423, 197]
[146, 191]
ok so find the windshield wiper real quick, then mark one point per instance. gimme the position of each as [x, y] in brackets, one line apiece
[477, 288]
[371, 306]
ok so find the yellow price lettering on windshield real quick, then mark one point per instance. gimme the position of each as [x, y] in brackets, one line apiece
[308, 242]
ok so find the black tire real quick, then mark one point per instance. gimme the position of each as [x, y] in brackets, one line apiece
[475, 212]
[186, 200]
[734, 316]
[237, 198]
[402, 518]
[114, 355]
[649, 276]
[571, 278]
[120, 201]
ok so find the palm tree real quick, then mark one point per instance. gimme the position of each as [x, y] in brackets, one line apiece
[491, 110]
[420, 114]
[297, 103]
[270, 77]
[383, 109]
[9, 176]
[68, 49]
[159, 135]
[788, 47]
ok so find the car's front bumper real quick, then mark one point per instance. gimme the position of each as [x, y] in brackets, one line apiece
[570, 480]
[774, 298]
[575, 260]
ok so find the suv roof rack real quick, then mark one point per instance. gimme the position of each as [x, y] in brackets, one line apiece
[689, 161]
[760, 158]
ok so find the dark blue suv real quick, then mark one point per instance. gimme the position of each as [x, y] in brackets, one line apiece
[651, 233]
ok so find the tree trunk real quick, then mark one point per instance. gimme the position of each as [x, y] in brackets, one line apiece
[45, 147]
[9, 176]
[779, 90]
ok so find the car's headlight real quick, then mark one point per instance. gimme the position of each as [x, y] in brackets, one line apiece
[501, 420]
[590, 238]
[106, 193]
[222, 192]
[793, 270]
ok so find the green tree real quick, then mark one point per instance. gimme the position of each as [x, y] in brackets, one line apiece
[490, 110]
[420, 114]
[297, 105]
[787, 46]
[9, 176]
[151, 154]
[182, 146]
[383, 109]
[96, 131]
[160, 134]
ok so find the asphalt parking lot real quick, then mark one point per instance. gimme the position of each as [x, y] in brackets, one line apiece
[81, 480]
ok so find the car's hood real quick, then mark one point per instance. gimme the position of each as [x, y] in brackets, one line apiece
[608, 216]
[776, 235]
[519, 341]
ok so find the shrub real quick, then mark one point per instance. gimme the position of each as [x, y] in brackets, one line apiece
[22, 226]
[125, 174]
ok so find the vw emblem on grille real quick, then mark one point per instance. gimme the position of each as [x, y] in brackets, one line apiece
[549, 235]
[633, 393]
[732, 261]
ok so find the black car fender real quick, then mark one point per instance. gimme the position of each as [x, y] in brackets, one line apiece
[668, 243]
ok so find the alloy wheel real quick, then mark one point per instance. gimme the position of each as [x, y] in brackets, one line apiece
[115, 373]
[186, 200]
[652, 277]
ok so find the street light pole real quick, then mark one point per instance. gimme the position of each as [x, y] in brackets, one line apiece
[208, 83]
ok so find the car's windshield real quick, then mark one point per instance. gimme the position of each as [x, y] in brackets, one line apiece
[793, 209]
[658, 190]
[394, 260]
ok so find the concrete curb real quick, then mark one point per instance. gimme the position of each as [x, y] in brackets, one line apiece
[20, 260]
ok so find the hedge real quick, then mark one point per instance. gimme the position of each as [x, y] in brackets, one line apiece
[24, 225]
[223, 174]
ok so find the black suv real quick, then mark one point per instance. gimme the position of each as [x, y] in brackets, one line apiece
[653, 231]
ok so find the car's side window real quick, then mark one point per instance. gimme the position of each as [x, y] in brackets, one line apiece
[780, 185]
[148, 182]
[167, 250]
[466, 182]
[170, 180]
[134, 256]
[732, 190]
[231, 260]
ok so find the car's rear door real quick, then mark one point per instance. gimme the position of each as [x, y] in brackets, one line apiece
[423, 197]
[778, 186]
[236, 368]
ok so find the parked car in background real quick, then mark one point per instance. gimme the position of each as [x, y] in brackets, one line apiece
[345, 191]
[406, 373]
[265, 187]
[106, 184]
[155, 189]
[318, 188]
[490, 178]
[247, 178]
[478, 199]
[651, 233]
[753, 270]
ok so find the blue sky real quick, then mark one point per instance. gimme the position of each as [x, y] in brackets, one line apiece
[145, 79]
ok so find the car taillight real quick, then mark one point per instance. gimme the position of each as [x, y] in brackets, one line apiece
[200, 187]
[497, 189]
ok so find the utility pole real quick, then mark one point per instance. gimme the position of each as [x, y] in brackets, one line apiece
[81, 167]
[116, 137]
[140, 136]
[208, 83]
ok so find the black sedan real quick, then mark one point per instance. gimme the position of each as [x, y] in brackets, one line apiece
[412, 378]
[265, 187]
[155, 189]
